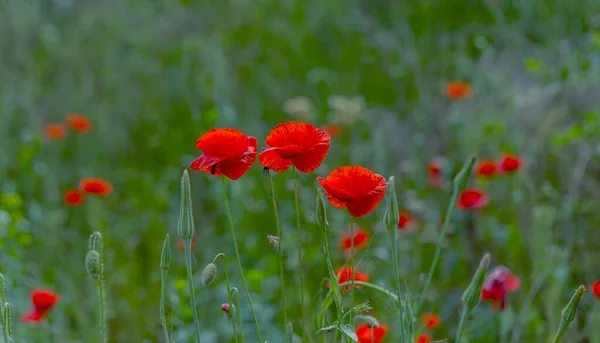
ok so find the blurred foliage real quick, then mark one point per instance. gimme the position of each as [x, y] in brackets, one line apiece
[154, 75]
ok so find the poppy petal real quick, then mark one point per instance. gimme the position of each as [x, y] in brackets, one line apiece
[271, 159]
[236, 168]
[32, 317]
[292, 134]
[223, 142]
[332, 199]
[205, 163]
[310, 161]
[362, 206]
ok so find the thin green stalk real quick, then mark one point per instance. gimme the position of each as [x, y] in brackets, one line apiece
[239, 314]
[297, 202]
[235, 335]
[102, 297]
[332, 277]
[163, 319]
[351, 261]
[239, 261]
[461, 323]
[438, 249]
[187, 250]
[397, 275]
[374, 287]
[280, 255]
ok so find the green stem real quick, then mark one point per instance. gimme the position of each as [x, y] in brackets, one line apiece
[187, 247]
[376, 288]
[163, 319]
[332, 277]
[299, 253]
[438, 249]
[461, 323]
[239, 261]
[351, 261]
[397, 275]
[280, 255]
[102, 297]
[562, 328]
[239, 314]
[235, 336]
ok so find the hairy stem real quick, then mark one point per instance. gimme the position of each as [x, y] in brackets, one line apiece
[461, 323]
[297, 202]
[233, 328]
[163, 289]
[187, 247]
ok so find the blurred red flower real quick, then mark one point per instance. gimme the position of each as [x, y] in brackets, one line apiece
[361, 239]
[596, 289]
[486, 168]
[431, 320]
[55, 131]
[298, 144]
[334, 130]
[356, 188]
[344, 274]
[405, 220]
[367, 334]
[510, 163]
[499, 282]
[434, 173]
[471, 198]
[423, 337]
[96, 186]
[459, 90]
[78, 122]
[180, 243]
[42, 300]
[73, 197]
[226, 152]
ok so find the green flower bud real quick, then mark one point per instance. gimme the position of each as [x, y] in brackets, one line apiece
[369, 320]
[185, 226]
[569, 312]
[165, 256]
[392, 212]
[93, 265]
[461, 179]
[321, 209]
[95, 241]
[7, 320]
[208, 274]
[472, 295]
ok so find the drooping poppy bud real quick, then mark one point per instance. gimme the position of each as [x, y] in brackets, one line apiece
[208, 274]
[92, 264]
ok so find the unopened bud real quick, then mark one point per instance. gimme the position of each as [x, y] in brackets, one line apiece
[461, 179]
[165, 255]
[569, 312]
[273, 240]
[92, 264]
[392, 213]
[369, 320]
[185, 226]
[95, 241]
[321, 209]
[7, 320]
[208, 273]
[472, 295]
[227, 310]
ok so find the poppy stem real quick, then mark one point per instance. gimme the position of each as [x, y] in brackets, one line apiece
[233, 328]
[371, 286]
[239, 261]
[187, 251]
[461, 323]
[297, 202]
[280, 255]
[239, 313]
[351, 261]
[102, 296]
[394, 237]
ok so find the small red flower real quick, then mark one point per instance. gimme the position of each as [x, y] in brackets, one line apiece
[424, 337]
[361, 240]
[299, 144]
[367, 334]
[78, 122]
[180, 243]
[509, 163]
[344, 274]
[334, 130]
[73, 197]
[356, 188]
[226, 152]
[434, 173]
[486, 168]
[499, 282]
[459, 90]
[471, 198]
[96, 186]
[431, 320]
[225, 307]
[596, 289]
[55, 131]
[43, 301]
[405, 220]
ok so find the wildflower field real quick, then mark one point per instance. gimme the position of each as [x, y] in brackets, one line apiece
[283, 171]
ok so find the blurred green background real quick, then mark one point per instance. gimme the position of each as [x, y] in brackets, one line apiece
[154, 75]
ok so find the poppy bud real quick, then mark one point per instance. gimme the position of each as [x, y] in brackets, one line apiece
[369, 320]
[92, 264]
[568, 313]
[461, 179]
[165, 255]
[2, 292]
[391, 217]
[273, 240]
[185, 226]
[228, 310]
[95, 241]
[208, 273]
[321, 209]
[472, 295]
[7, 321]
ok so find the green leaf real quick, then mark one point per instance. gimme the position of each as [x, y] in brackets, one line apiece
[348, 331]
[335, 325]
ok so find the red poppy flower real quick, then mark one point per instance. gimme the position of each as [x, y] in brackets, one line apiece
[226, 152]
[356, 188]
[344, 274]
[509, 163]
[73, 197]
[405, 220]
[180, 243]
[471, 198]
[78, 122]
[499, 282]
[459, 90]
[96, 186]
[298, 144]
[424, 337]
[361, 240]
[434, 172]
[596, 289]
[55, 131]
[431, 320]
[334, 130]
[367, 334]
[486, 168]
[42, 300]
